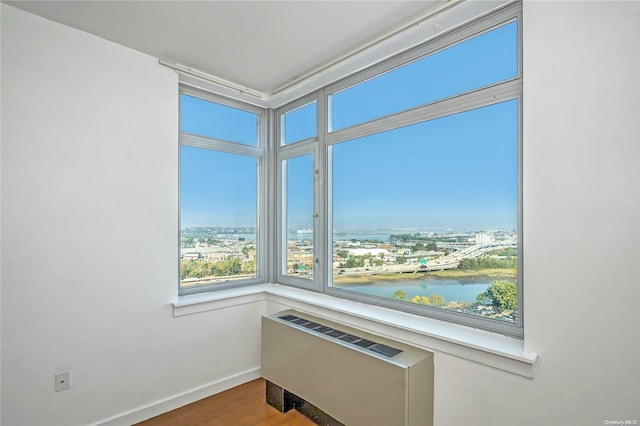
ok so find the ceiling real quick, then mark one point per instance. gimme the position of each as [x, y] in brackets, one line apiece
[260, 45]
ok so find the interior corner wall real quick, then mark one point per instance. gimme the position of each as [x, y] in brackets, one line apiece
[89, 237]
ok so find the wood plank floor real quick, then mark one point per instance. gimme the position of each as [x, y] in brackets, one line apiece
[243, 405]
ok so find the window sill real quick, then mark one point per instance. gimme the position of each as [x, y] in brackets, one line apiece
[480, 346]
[213, 300]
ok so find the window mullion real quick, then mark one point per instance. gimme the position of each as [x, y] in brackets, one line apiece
[456, 104]
[322, 245]
[219, 145]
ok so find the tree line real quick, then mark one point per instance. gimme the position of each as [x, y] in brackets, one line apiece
[502, 295]
[198, 268]
[433, 300]
[488, 262]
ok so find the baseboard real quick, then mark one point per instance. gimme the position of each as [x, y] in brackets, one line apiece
[179, 400]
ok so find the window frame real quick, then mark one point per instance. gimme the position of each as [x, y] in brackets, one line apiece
[443, 41]
[505, 90]
[290, 107]
[464, 319]
[259, 153]
[285, 152]
[271, 152]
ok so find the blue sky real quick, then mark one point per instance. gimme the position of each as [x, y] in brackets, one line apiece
[217, 189]
[455, 172]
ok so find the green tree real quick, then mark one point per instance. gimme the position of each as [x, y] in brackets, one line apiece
[418, 247]
[422, 300]
[400, 295]
[188, 241]
[501, 294]
[488, 262]
[354, 262]
[249, 267]
[483, 298]
[509, 251]
[228, 267]
[437, 299]
[468, 264]
[402, 260]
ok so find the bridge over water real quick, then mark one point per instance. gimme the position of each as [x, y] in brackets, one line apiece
[450, 261]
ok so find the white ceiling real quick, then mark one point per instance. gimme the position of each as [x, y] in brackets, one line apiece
[257, 44]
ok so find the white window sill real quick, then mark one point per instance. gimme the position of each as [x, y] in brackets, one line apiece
[480, 346]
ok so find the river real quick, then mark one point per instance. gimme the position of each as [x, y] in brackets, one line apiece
[451, 289]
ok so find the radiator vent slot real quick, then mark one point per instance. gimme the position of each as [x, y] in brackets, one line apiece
[343, 336]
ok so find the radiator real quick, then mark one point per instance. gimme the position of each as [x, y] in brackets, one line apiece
[354, 377]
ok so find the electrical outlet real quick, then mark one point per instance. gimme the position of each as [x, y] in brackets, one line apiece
[63, 381]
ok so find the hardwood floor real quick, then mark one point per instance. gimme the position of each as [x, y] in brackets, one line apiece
[243, 405]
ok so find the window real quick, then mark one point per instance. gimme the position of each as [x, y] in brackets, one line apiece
[476, 62]
[204, 118]
[428, 213]
[298, 217]
[299, 124]
[418, 180]
[397, 186]
[220, 176]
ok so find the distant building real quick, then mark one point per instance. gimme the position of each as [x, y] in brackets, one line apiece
[192, 255]
[365, 251]
[483, 237]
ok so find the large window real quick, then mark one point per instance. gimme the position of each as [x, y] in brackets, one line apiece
[427, 214]
[396, 186]
[419, 200]
[479, 61]
[220, 177]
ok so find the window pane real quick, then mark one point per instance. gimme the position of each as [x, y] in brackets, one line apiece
[299, 220]
[205, 118]
[427, 213]
[217, 216]
[299, 124]
[480, 61]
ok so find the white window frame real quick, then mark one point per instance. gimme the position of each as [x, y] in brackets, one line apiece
[480, 97]
[259, 152]
[283, 153]
[272, 237]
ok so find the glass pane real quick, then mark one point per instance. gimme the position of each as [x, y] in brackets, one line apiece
[299, 220]
[427, 213]
[218, 193]
[209, 119]
[478, 62]
[299, 124]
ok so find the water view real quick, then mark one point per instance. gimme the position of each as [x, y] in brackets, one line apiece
[463, 291]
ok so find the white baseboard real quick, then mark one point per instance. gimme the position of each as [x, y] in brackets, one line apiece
[180, 400]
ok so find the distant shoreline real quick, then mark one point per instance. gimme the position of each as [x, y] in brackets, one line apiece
[453, 274]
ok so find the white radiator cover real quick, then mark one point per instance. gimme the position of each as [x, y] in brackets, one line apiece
[354, 385]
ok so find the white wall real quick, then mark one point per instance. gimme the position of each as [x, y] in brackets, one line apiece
[89, 231]
[581, 229]
[0, 225]
[89, 235]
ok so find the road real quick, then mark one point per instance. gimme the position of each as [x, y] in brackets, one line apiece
[446, 262]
